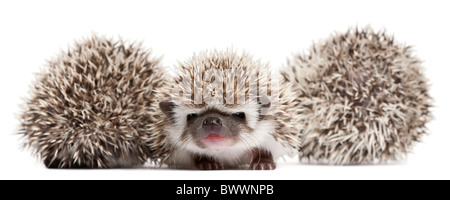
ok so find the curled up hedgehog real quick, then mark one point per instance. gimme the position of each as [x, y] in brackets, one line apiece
[361, 97]
[90, 107]
[222, 110]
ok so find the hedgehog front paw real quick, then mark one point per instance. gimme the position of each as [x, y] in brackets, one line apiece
[210, 165]
[262, 160]
[207, 164]
[263, 166]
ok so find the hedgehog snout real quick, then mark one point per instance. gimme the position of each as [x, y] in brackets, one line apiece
[212, 125]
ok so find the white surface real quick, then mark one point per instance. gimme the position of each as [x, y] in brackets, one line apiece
[33, 31]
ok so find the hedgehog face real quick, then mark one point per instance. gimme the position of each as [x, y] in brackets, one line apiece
[214, 127]
[217, 130]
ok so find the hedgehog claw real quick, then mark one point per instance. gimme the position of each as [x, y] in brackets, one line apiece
[210, 166]
[262, 160]
[263, 166]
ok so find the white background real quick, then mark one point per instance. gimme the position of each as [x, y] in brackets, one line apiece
[33, 31]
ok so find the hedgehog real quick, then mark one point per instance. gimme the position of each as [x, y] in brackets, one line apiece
[222, 110]
[90, 107]
[361, 98]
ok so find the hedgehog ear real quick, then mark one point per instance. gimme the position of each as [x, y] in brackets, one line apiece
[264, 101]
[265, 104]
[167, 108]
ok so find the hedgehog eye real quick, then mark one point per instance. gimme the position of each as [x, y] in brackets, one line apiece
[239, 115]
[191, 116]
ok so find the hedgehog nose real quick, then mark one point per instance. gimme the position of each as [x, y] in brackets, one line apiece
[212, 121]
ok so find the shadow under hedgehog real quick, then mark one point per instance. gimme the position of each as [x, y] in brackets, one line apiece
[222, 110]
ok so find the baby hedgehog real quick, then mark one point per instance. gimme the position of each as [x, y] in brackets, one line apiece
[91, 106]
[361, 98]
[222, 110]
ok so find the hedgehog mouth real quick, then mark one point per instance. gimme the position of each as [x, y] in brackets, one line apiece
[215, 139]
[214, 136]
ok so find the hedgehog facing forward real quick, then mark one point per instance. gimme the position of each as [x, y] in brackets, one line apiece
[91, 106]
[222, 110]
[361, 98]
